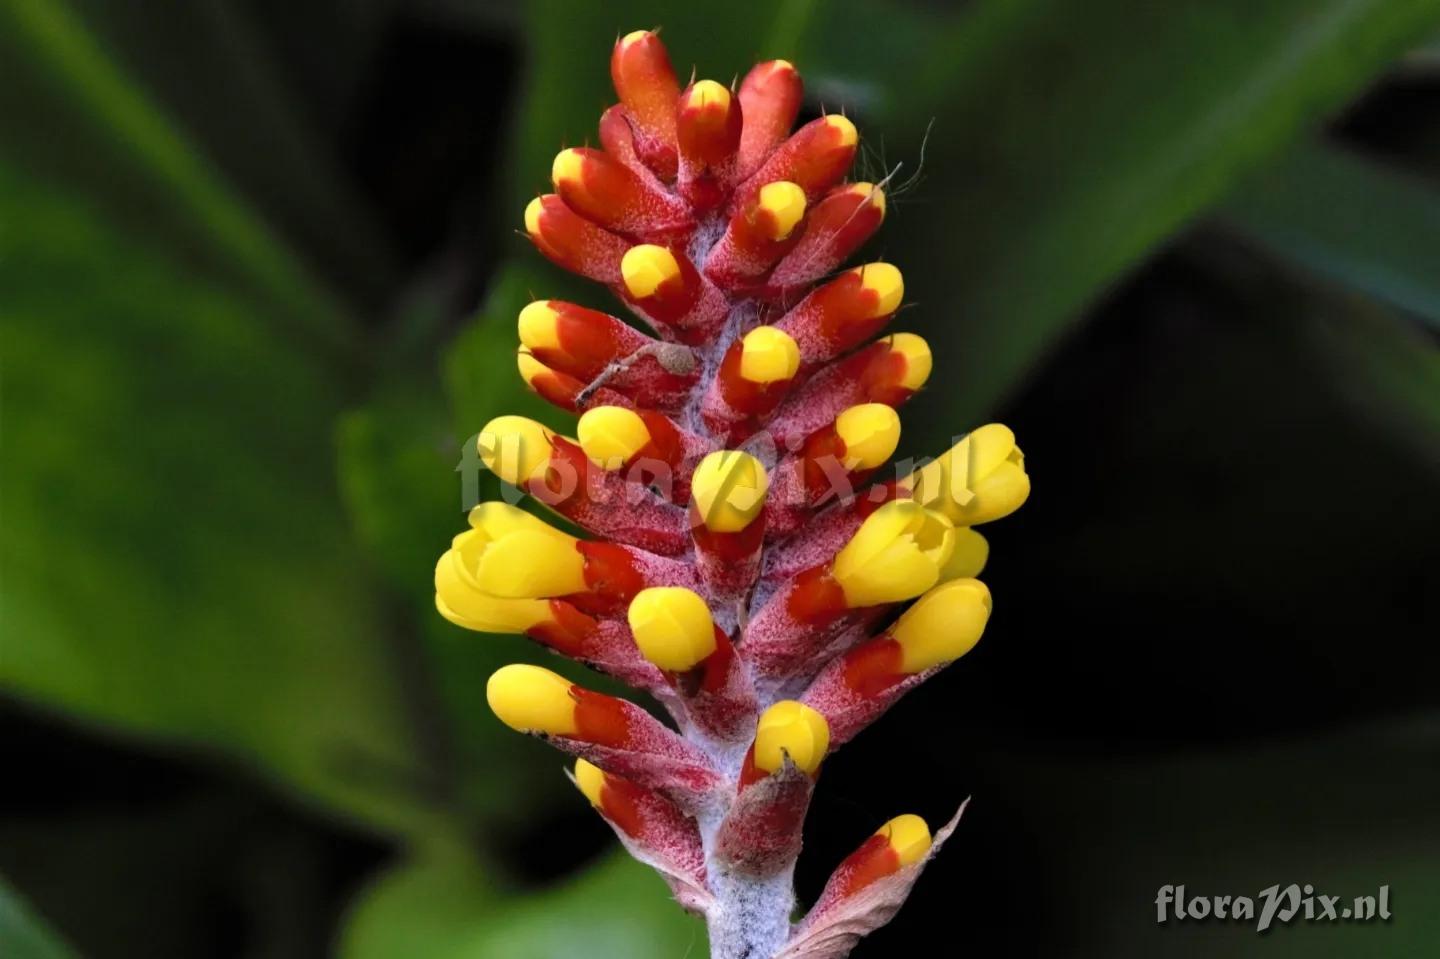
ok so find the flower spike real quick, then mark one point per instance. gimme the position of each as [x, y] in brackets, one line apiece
[746, 556]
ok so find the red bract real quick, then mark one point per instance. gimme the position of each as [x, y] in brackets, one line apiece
[749, 564]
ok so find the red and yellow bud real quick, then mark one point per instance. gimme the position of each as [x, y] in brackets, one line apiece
[664, 287]
[575, 346]
[516, 449]
[727, 505]
[673, 628]
[816, 158]
[530, 699]
[788, 730]
[708, 122]
[980, 479]
[942, 626]
[837, 227]
[643, 77]
[621, 736]
[606, 192]
[728, 491]
[758, 235]
[770, 97]
[887, 371]
[561, 389]
[647, 822]
[867, 436]
[754, 376]
[612, 436]
[572, 241]
[845, 312]
[896, 555]
[901, 842]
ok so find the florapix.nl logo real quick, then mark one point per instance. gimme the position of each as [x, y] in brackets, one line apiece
[1282, 904]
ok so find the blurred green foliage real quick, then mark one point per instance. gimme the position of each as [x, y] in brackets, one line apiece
[233, 409]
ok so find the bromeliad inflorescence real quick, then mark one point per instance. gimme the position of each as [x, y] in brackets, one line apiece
[746, 570]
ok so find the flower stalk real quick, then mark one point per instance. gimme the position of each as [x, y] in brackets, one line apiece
[746, 563]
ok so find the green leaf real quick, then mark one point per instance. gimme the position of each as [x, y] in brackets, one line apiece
[439, 910]
[175, 561]
[73, 113]
[1070, 139]
[1350, 219]
[432, 907]
[22, 933]
[1386, 369]
[210, 65]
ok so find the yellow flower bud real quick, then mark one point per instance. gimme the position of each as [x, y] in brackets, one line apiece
[646, 267]
[979, 479]
[943, 625]
[786, 203]
[590, 780]
[849, 136]
[896, 554]
[515, 448]
[870, 433]
[918, 361]
[768, 355]
[729, 490]
[508, 554]
[968, 560]
[791, 729]
[672, 627]
[539, 325]
[909, 837]
[529, 699]
[886, 282]
[610, 435]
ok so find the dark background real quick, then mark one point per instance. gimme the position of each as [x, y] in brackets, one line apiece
[258, 275]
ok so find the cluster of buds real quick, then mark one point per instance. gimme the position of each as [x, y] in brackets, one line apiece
[744, 564]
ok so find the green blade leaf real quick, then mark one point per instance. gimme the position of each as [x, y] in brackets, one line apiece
[73, 113]
[1349, 219]
[175, 561]
[1072, 138]
[22, 933]
[439, 910]
[211, 66]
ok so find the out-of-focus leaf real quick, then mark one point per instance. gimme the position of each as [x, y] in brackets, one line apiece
[617, 908]
[1071, 138]
[435, 906]
[439, 910]
[397, 463]
[1388, 370]
[66, 108]
[1350, 219]
[23, 935]
[175, 559]
[211, 65]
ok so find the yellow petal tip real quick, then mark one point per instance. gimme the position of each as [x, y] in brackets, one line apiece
[529, 699]
[728, 489]
[791, 729]
[611, 435]
[768, 355]
[870, 433]
[646, 267]
[909, 836]
[785, 202]
[672, 627]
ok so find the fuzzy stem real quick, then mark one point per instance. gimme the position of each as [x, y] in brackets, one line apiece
[751, 917]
